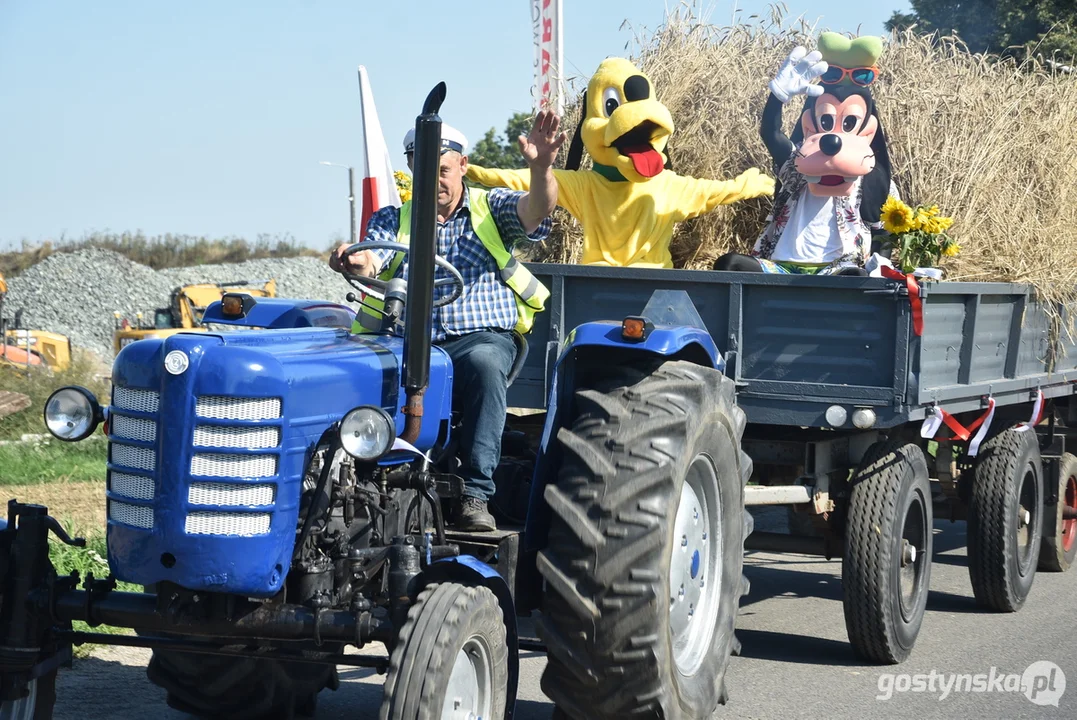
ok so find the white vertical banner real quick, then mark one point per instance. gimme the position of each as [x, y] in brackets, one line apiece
[378, 187]
[548, 90]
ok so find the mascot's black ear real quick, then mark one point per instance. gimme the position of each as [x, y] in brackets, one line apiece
[575, 149]
[669, 160]
[797, 136]
[876, 184]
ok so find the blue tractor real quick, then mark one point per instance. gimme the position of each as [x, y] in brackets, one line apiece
[279, 494]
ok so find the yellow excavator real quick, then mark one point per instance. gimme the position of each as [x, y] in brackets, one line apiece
[185, 310]
[21, 347]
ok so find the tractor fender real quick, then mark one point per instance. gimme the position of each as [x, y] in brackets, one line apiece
[469, 570]
[670, 342]
[597, 344]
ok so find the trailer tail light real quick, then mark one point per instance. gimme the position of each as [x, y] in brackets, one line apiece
[635, 328]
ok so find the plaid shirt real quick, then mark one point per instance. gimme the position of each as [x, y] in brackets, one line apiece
[486, 303]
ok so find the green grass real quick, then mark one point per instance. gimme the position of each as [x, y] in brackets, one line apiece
[90, 559]
[86, 370]
[67, 477]
[50, 460]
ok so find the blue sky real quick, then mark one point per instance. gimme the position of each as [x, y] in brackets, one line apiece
[210, 118]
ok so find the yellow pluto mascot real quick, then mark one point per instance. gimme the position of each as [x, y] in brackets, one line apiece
[631, 199]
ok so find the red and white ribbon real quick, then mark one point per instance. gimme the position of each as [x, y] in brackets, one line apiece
[915, 302]
[939, 417]
[1037, 413]
[974, 444]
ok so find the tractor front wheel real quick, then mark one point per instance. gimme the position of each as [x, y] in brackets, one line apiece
[450, 660]
[38, 703]
[242, 688]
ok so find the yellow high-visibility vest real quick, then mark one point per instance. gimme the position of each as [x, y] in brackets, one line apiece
[530, 294]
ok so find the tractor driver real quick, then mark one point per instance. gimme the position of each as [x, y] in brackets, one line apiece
[476, 329]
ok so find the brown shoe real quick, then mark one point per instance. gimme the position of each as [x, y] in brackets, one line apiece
[471, 515]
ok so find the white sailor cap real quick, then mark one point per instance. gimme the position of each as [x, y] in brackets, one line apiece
[451, 139]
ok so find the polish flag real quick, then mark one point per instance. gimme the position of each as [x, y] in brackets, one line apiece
[379, 187]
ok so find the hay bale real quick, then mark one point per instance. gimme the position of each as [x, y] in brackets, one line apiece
[990, 141]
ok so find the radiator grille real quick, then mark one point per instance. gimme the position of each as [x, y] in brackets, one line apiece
[133, 428]
[229, 494]
[132, 486]
[236, 437]
[133, 457]
[233, 408]
[134, 515]
[222, 465]
[138, 400]
[227, 523]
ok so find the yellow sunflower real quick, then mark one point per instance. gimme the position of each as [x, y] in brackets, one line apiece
[951, 249]
[897, 216]
[936, 225]
[403, 185]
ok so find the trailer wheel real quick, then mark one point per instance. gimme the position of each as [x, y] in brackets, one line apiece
[886, 569]
[240, 688]
[643, 566]
[1059, 547]
[1005, 520]
[451, 658]
[37, 705]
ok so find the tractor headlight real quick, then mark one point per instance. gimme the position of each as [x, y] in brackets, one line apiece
[367, 433]
[72, 413]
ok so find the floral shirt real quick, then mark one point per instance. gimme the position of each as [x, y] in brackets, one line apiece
[855, 236]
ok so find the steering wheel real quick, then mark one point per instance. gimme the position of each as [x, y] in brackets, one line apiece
[378, 286]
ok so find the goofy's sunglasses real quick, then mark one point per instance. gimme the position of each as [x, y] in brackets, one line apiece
[859, 76]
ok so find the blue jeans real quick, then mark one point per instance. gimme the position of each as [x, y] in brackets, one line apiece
[481, 364]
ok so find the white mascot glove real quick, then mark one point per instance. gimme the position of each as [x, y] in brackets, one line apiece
[797, 73]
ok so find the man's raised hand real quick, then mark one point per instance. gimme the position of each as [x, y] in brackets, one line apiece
[540, 146]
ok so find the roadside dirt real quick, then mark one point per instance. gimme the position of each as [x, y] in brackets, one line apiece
[81, 503]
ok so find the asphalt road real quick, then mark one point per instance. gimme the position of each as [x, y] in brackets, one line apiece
[796, 662]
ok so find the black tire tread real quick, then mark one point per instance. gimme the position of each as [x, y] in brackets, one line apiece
[427, 644]
[240, 688]
[43, 704]
[989, 536]
[1052, 554]
[865, 567]
[607, 537]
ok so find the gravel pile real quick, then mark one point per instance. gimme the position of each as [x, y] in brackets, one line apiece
[77, 293]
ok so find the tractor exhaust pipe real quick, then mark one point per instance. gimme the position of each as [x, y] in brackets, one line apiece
[424, 206]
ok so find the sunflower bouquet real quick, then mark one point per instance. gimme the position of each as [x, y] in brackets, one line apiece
[919, 234]
[403, 184]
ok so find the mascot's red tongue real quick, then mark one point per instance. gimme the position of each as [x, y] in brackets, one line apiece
[647, 161]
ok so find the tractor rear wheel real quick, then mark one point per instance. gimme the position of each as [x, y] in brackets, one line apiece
[1005, 520]
[1059, 548]
[643, 565]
